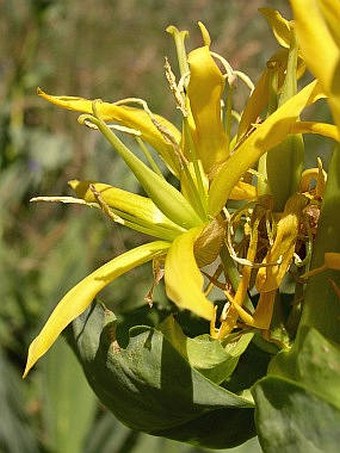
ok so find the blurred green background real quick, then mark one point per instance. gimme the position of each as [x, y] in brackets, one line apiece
[109, 49]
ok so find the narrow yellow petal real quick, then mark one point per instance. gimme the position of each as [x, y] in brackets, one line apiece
[264, 310]
[243, 191]
[133, 205]
[256, 103]
[205, 34]
[269, 278]
[315, 23]
[183, 279]
[317, 44]
[311, 127]
[262, 316]
[179, 38]
[81, 295]
[267, 135]
[128, 116]
[279, 25]
[259, 99]
[204, 92]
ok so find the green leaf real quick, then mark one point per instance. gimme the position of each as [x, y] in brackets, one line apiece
[69, 405]
[205, 354]
[16, 433]
[298, 403]
[291, 420]
[150, 387]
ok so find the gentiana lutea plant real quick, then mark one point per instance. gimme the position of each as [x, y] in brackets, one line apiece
[242, 219]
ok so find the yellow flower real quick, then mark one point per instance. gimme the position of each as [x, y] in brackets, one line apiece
[317, 26]
[189, 224]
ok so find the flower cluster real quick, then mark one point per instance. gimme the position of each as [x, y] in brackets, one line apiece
[242, 203]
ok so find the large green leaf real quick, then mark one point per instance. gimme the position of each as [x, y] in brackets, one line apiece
[298, 403]
[69, 405]
[150, 386]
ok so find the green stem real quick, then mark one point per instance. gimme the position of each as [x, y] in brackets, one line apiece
[322, 306]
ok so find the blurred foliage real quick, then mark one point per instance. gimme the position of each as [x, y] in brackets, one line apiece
[110, 49]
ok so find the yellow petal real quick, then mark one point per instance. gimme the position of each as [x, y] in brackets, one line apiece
[279, 25]
[131, 117]
[317, 28]
[260, 96]
[81, 295]
[269, 278]
[204, 92]
[262, 316]
[243, 191]
[179, 38]
[330, 10]
[267, 135]
[205, 34]
[311, 127]
[129, 206]
[183, 279]
[264, 310]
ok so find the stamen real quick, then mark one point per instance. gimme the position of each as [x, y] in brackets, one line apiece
[232, 74]
[233, 254]
[167, 135]
[178, 94]
[127, 130]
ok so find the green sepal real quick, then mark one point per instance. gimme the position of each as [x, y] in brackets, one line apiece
[285, 162]
[150, 386]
